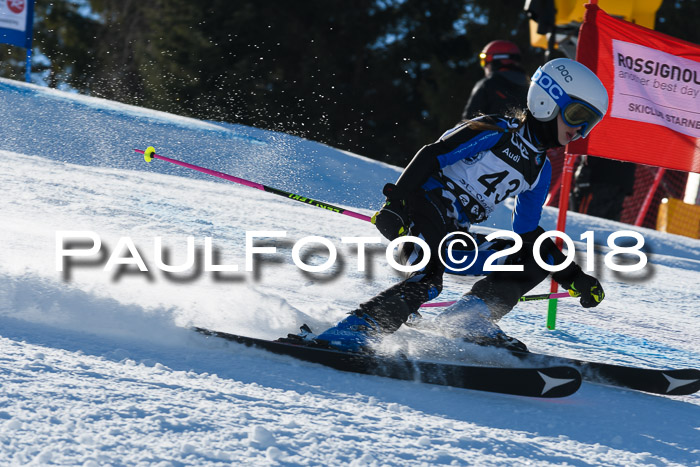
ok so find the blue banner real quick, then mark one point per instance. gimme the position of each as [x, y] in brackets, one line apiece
[16, 22]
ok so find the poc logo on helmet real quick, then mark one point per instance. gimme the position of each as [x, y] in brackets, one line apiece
[548, 84]
[565, 73]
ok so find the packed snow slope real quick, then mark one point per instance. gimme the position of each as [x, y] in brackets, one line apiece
[97, 365]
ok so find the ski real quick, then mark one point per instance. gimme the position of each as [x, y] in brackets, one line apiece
[546, 381]
[670, 382]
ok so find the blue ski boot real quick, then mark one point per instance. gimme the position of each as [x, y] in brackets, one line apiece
[470, 319]
[353, 334]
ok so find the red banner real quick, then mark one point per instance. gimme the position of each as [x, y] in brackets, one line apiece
[653, 81]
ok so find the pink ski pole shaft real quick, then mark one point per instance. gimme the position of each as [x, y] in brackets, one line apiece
[150, 154]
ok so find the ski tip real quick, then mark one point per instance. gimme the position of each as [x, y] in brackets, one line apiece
[148, 153]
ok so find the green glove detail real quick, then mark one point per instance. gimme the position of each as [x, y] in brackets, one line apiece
[392, 219]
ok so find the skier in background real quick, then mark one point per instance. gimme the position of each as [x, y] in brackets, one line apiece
[505, 84]
[458, 181]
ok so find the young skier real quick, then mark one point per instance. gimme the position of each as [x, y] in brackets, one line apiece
[458, 181]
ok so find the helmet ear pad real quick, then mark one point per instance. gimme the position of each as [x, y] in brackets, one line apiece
[542, 107]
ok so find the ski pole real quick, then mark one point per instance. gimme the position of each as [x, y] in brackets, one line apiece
[524, 298]
[150, 154]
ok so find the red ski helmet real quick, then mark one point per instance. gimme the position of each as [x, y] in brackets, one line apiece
[504, 52]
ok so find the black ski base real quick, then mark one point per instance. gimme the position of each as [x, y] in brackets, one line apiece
[679, 382]
[547, 381]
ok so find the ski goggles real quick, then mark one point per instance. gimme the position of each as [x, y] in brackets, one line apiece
[483, 58]
[574, 112]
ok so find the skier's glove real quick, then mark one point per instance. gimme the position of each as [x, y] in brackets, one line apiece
[580, 284]
[392, 219]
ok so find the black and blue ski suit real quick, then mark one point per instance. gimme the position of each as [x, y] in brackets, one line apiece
[458, 181]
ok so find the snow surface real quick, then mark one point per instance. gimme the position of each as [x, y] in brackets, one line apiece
[98, 367]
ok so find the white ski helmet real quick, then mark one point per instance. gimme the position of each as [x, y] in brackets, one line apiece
[566, 86]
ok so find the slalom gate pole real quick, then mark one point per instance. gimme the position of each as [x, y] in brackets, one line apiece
[524, 298]
[150, 154]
